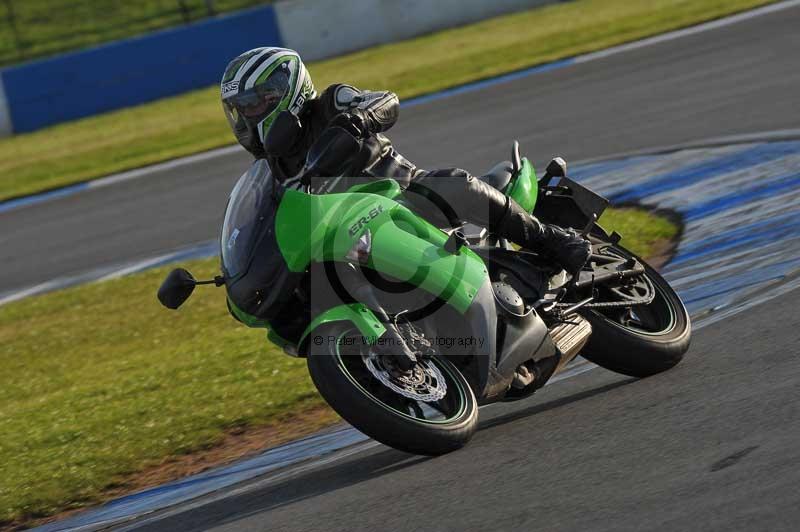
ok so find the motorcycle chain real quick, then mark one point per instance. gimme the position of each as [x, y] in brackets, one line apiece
[611, 304]
[617, 304]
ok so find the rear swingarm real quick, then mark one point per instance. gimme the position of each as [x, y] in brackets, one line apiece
[608, 276]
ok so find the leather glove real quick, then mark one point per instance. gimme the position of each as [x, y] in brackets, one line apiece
[352, 122]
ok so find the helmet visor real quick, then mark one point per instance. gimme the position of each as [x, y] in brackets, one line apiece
[257, 103]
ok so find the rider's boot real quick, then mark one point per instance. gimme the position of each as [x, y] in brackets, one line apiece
[464, 197]
[569, 249]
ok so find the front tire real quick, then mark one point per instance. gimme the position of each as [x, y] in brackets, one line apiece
[657, 342]
[342, 378]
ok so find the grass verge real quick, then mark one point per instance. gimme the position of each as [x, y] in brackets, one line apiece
[103, 391]
[193, 122]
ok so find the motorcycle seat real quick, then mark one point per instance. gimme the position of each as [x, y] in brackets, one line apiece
[499, 176]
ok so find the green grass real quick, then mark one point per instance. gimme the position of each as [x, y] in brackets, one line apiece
[44, 27]
[640, 229]
[99, 381]
[193, 122]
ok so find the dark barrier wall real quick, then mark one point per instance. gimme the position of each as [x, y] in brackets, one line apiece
[132, 71]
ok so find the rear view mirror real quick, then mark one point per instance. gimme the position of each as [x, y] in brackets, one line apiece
[176, 288]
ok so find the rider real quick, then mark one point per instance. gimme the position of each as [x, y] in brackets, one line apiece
[268, 86]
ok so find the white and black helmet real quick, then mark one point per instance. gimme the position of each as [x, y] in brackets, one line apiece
[259, 84]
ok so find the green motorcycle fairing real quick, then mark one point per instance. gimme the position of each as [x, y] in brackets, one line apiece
[319, 228]
[363, 318]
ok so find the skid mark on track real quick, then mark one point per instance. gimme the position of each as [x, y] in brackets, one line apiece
[733, 459]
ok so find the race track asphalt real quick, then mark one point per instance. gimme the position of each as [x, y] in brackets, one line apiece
[737, 79]
[711, 444]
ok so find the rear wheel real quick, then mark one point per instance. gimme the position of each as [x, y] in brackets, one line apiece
[429, 410]
[638, 340]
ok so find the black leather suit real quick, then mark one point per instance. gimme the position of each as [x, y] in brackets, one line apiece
[445, 197]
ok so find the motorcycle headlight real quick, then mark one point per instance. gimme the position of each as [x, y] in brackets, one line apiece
[361, 249]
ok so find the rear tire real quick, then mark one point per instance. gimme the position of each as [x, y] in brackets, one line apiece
[365, 410]
[638, 352]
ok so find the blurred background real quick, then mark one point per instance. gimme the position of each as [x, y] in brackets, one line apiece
[33, 28]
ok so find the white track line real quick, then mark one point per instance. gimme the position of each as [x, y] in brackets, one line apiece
[167, 165]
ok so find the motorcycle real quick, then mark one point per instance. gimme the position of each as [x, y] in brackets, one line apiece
[408, 327]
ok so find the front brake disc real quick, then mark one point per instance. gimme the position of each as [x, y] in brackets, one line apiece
[424, 382]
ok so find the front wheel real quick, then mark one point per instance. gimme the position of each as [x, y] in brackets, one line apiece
[429, 410]
[639, 340]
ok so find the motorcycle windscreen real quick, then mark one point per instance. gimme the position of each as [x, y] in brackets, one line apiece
[256, 275]
[250, 213]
